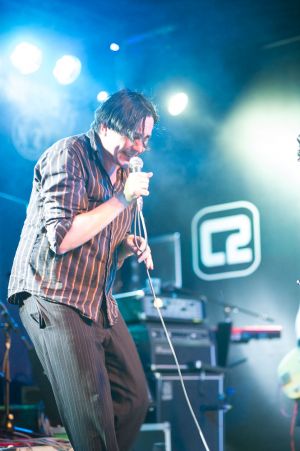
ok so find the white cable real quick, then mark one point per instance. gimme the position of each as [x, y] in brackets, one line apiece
[139, 219]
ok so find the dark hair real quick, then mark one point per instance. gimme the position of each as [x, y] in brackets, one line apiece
[124, 111]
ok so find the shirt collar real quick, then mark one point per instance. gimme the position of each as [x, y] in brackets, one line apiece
[96, 144]
[95, 140]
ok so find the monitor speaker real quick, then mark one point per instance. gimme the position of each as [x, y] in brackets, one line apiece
[205, 392]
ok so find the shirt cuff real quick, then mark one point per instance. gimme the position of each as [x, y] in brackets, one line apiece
[56, 232]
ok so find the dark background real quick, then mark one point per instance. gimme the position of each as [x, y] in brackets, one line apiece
[239, 62]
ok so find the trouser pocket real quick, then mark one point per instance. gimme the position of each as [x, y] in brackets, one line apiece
[32, 307]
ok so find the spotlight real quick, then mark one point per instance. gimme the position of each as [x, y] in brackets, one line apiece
[114, 47]
[177, 103]
[102, 96]
[67, 69]
[26, 57]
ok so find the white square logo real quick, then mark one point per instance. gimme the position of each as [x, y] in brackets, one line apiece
[226, 241]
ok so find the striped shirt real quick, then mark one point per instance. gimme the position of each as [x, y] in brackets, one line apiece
[69, 179]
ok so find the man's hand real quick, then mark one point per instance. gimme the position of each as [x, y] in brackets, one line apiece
[138, 247]
[137, 185]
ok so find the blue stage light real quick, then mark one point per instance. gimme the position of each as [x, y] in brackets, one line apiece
[102, 96]
[114, 47]
[177, 103]
[26, 57]
[67, 69]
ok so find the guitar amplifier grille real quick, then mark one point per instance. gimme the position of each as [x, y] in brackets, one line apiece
[192, 344]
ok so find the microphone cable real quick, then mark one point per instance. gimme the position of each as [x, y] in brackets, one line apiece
[141, 230]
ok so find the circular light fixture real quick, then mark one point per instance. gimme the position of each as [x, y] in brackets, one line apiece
[114, 47]
[177, 103]
[67, 69]
[26, 57]
[102, 96]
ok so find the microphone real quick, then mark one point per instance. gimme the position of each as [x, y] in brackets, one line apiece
[135, 165]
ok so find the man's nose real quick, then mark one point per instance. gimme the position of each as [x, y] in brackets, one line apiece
[138, 146]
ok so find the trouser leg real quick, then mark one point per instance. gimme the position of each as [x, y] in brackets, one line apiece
[70, 349]
[128, 384]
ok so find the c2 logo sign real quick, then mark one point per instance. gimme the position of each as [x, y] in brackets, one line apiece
[226, 241]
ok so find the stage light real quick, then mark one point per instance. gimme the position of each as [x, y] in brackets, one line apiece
[102, 96]
[177, 103]
[260, 137]
[114, 47]
[67, 69]
[26, 57]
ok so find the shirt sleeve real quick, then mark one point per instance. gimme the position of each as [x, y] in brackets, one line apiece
[63, 192]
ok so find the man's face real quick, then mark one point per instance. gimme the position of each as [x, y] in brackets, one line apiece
[122, 148]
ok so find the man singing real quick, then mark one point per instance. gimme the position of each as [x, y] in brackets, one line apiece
[75, 236]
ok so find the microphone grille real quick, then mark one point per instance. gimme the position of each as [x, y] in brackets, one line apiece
[135, 164]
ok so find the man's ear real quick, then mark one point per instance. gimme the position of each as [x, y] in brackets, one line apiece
[103, 129]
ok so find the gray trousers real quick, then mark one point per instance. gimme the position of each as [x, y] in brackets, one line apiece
[95, 373]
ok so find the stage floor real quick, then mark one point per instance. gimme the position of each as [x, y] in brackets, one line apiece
[36, 444]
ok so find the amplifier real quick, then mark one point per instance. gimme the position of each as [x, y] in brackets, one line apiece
[192, 344]
[173, 309]
[205, 392]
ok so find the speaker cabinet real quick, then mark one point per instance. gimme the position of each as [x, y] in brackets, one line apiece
[192, 343]
[205, 392]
